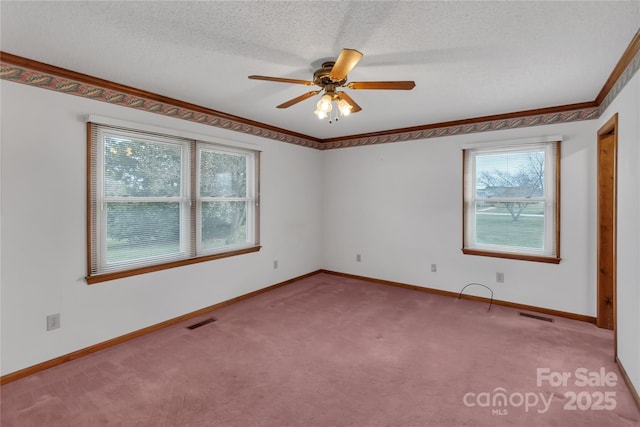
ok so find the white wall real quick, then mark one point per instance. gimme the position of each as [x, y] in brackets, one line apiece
[627, 105]
[399, 205]
[43, 245]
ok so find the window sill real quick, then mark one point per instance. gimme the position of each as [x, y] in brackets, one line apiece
[151, 268]
[521, 257]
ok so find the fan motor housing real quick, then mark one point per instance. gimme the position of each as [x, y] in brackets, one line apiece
[322, 78]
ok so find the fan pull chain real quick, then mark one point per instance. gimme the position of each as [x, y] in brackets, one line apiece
[331, 119]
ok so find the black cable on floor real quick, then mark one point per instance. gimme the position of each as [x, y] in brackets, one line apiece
[478, 284]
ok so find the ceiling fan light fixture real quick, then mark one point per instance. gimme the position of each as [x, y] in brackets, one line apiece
[344, 107]
[325, 103]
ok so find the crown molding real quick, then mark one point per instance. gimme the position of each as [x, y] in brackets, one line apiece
[529, 118]
[626, 67]
[33, 73]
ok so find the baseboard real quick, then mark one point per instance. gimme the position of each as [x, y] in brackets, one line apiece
[547, 311]
[5, 379]
[632, 389]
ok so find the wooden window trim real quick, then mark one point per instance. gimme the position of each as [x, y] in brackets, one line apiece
[507, 255]
[512, 255]
[158, 267]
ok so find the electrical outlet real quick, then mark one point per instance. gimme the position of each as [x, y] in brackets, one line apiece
[358, 258]
[53, 321]
[500, 277]
[434, 268]
[275, 264]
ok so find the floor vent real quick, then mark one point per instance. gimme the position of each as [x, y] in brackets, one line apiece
[202, 323]
[535, 316]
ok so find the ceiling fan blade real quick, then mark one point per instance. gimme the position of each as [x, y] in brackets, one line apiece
[354, 106]
[346, 61]
[398, 85]
[298, 99]
[282, 80]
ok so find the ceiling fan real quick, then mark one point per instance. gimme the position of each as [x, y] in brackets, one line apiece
[331, 76]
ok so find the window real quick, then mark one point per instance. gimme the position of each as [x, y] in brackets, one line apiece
[159, 201]
[512, 201]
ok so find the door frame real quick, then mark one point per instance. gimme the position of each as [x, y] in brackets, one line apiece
[610, 128]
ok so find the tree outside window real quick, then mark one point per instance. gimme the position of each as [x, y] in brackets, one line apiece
[157, 199]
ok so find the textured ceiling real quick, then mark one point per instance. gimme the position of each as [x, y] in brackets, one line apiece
[468, 59]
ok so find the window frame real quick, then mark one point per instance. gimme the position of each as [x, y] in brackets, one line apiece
[469, 199]
[199, 199]
[190, 251]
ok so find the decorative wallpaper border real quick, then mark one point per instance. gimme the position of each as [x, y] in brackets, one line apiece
[25, 71]
[627, 74]
[486, 126]
[50, 80]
